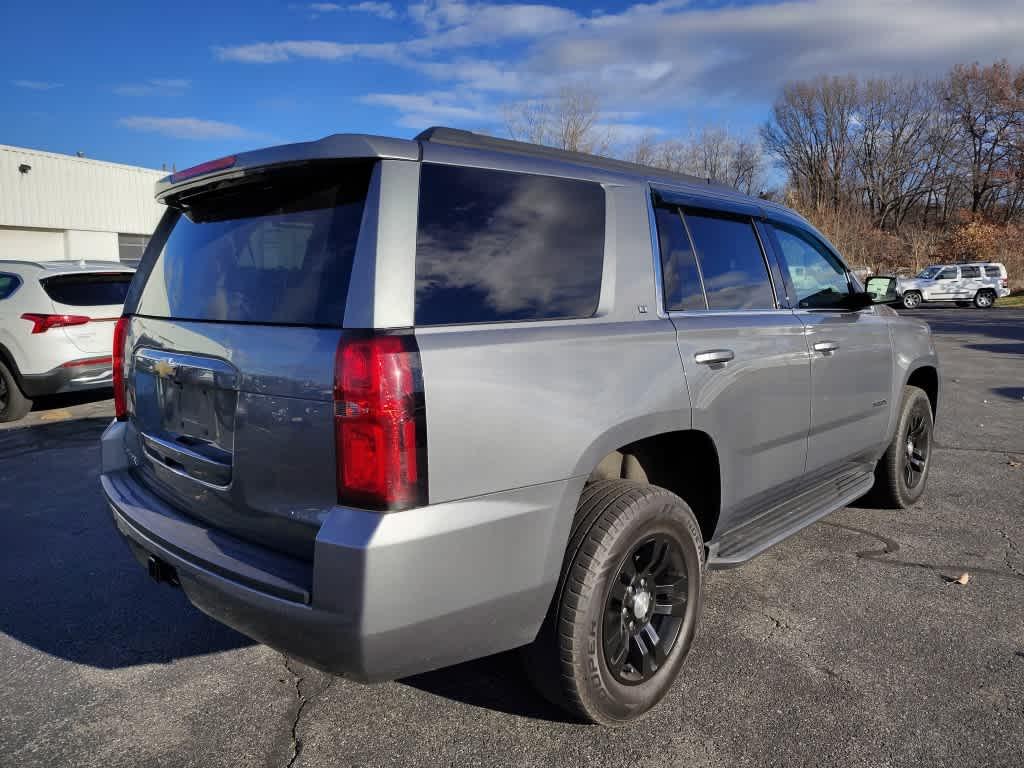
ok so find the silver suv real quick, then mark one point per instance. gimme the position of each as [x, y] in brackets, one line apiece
[979, 283]
[390, 405]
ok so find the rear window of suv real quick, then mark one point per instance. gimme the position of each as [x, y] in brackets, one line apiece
[276, 248]
[88, 290]
[494, 246]
[993, 272]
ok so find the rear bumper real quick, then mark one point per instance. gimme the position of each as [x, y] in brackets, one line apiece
[386, 595]
[70, 377]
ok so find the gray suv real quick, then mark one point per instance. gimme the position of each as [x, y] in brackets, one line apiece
[390, 405]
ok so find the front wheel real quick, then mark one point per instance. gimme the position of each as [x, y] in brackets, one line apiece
[984, 299]
[902, 472]
[627, 605]
[911, 300]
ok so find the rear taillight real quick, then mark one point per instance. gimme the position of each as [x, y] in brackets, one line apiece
[118, 361]
[1005, 282]
[379, 422]
[43, 323]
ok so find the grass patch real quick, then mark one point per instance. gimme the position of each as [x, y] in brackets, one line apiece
[1016, 301]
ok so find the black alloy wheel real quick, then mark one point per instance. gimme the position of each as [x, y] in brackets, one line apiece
[918, 443]
[644, 610]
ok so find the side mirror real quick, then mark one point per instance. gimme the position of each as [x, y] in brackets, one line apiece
[858, 301]
[881, 290]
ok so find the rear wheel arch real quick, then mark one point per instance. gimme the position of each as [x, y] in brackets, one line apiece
[684, 462]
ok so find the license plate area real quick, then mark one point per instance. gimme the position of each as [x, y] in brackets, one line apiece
[185, 410]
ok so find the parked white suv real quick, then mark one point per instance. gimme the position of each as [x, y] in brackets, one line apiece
[56, 328]
[980, 283]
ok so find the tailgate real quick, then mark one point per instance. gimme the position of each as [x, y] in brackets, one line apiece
[98, 296]
[232, 344]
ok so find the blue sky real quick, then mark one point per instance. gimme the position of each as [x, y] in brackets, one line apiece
[148, 83]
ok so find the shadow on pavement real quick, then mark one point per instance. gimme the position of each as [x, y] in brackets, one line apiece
[1013, 393]
[70, 586]
[1006, 324]
[496, 682]
[50, 402]
[1004, 349]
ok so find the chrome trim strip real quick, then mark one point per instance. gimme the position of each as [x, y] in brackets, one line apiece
[192, 465]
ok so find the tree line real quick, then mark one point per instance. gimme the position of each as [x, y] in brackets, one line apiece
[897, 171]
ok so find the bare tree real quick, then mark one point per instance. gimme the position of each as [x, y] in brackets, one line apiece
[987, 104]
[569, 121]
[893, 131]
[809, 134]
[644, 151]
[714, 154]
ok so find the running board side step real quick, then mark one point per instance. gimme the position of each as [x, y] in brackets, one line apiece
[753, 537]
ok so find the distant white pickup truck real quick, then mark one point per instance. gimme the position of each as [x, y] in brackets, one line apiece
[980, 283]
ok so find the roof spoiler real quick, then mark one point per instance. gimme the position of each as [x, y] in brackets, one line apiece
[337, 147]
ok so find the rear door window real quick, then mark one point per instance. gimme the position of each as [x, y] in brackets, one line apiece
[731, 261]
[494, 246]
[88, 290]
[275, 249]
[683, 289]
[967, 273]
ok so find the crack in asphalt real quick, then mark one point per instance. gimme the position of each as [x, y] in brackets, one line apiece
[296, 741]
[303, 700]
[777, 624]
[891, 546]
[1011, 547]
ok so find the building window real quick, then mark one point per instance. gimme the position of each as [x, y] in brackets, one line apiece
[130, 248]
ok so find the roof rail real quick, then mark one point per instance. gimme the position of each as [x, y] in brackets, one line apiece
[460, 138]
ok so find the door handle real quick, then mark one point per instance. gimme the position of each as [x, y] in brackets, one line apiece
[826, 347]
[714, 356]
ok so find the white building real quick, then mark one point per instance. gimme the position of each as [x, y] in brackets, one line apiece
[56, 206]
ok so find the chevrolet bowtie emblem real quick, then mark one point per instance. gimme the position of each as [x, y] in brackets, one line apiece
[165, 368]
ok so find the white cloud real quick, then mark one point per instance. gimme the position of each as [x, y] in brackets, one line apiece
[663, 55]
[185, 127]
[384, 10]
[269, 53]
[154, 85]
[675, 50]
[420, 110]
[35, 85]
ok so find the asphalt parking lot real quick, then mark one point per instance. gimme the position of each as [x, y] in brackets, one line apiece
[850, 644]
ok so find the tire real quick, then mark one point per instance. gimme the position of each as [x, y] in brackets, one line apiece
[13, 404]
[896, 486]
[621, 526]
[984, 299]
[911, 299]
